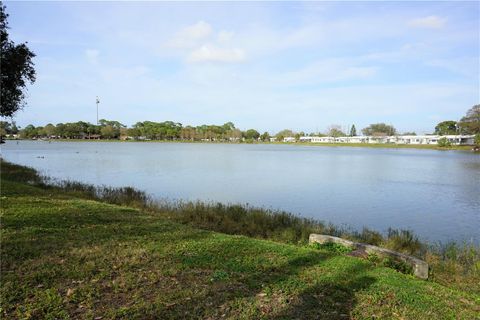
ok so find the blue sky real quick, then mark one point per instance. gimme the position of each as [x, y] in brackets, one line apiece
[264, 65]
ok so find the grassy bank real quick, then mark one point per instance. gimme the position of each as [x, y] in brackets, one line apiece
[76, 251]
[356, 145]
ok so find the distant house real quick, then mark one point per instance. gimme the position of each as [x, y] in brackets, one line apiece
[377, 139]
[92, 137]
[323, 139]
[357, 139]
[433, 139]
[289, 139]
[425, 139]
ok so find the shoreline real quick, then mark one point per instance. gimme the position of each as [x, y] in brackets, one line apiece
[353, 145]
[131, 196]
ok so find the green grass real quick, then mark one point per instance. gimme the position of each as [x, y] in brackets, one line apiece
[332, 247]
[66, 256]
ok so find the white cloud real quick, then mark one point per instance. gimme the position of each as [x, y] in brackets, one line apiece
[201, 43]
[323, 71]
[92, 55]
[224, 36]
[191, 35]
[197, 31]
[210, 53]
[431, 22]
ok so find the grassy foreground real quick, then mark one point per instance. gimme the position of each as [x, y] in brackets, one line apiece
[66, 256]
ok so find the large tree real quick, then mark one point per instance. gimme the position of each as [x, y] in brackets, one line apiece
[109, 132]
[353, 131]
[251, 134]
[446, 127]
[265, 136]
[8, 128]
[17, 69]
[470, 124]
[379, 129]
[335, 131]
[284, 133]
[115, 124]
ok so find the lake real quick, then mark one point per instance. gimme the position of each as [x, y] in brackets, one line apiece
[434, 193]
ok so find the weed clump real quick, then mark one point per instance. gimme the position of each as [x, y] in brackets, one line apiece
[389, 262]
[332, 247]
[245, 220]
[404, 241]
[369, 236]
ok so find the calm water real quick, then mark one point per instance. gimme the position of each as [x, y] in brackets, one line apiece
[435, 193]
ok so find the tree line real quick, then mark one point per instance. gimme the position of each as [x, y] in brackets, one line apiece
[146, 130]
[173, 131]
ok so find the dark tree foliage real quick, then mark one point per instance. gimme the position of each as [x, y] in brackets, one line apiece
[446, 127]
[353, 131]
[8, 128]
[252, 134]
[17, 69]
[265, 136]
[335, 130]
[470, 124]
[379, 129]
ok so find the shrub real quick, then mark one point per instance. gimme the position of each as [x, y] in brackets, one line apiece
[245, 220]
[444, 143]
[374, 258]
[403, 241]
[123, 196]
[18, 173]
[79, 188]
[369, 236]
[390, 263]
[398, 265]
[476, 139]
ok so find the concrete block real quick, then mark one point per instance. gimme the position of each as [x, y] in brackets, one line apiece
[420, 267]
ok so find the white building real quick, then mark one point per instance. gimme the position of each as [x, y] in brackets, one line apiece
[289, 139]
[318, 139]
[425, 139]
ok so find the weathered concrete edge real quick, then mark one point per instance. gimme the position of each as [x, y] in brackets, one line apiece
[420, 267]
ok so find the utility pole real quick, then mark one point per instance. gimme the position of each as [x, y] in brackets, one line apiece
[98, 101]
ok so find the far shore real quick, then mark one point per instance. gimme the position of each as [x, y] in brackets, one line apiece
[356, 145]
